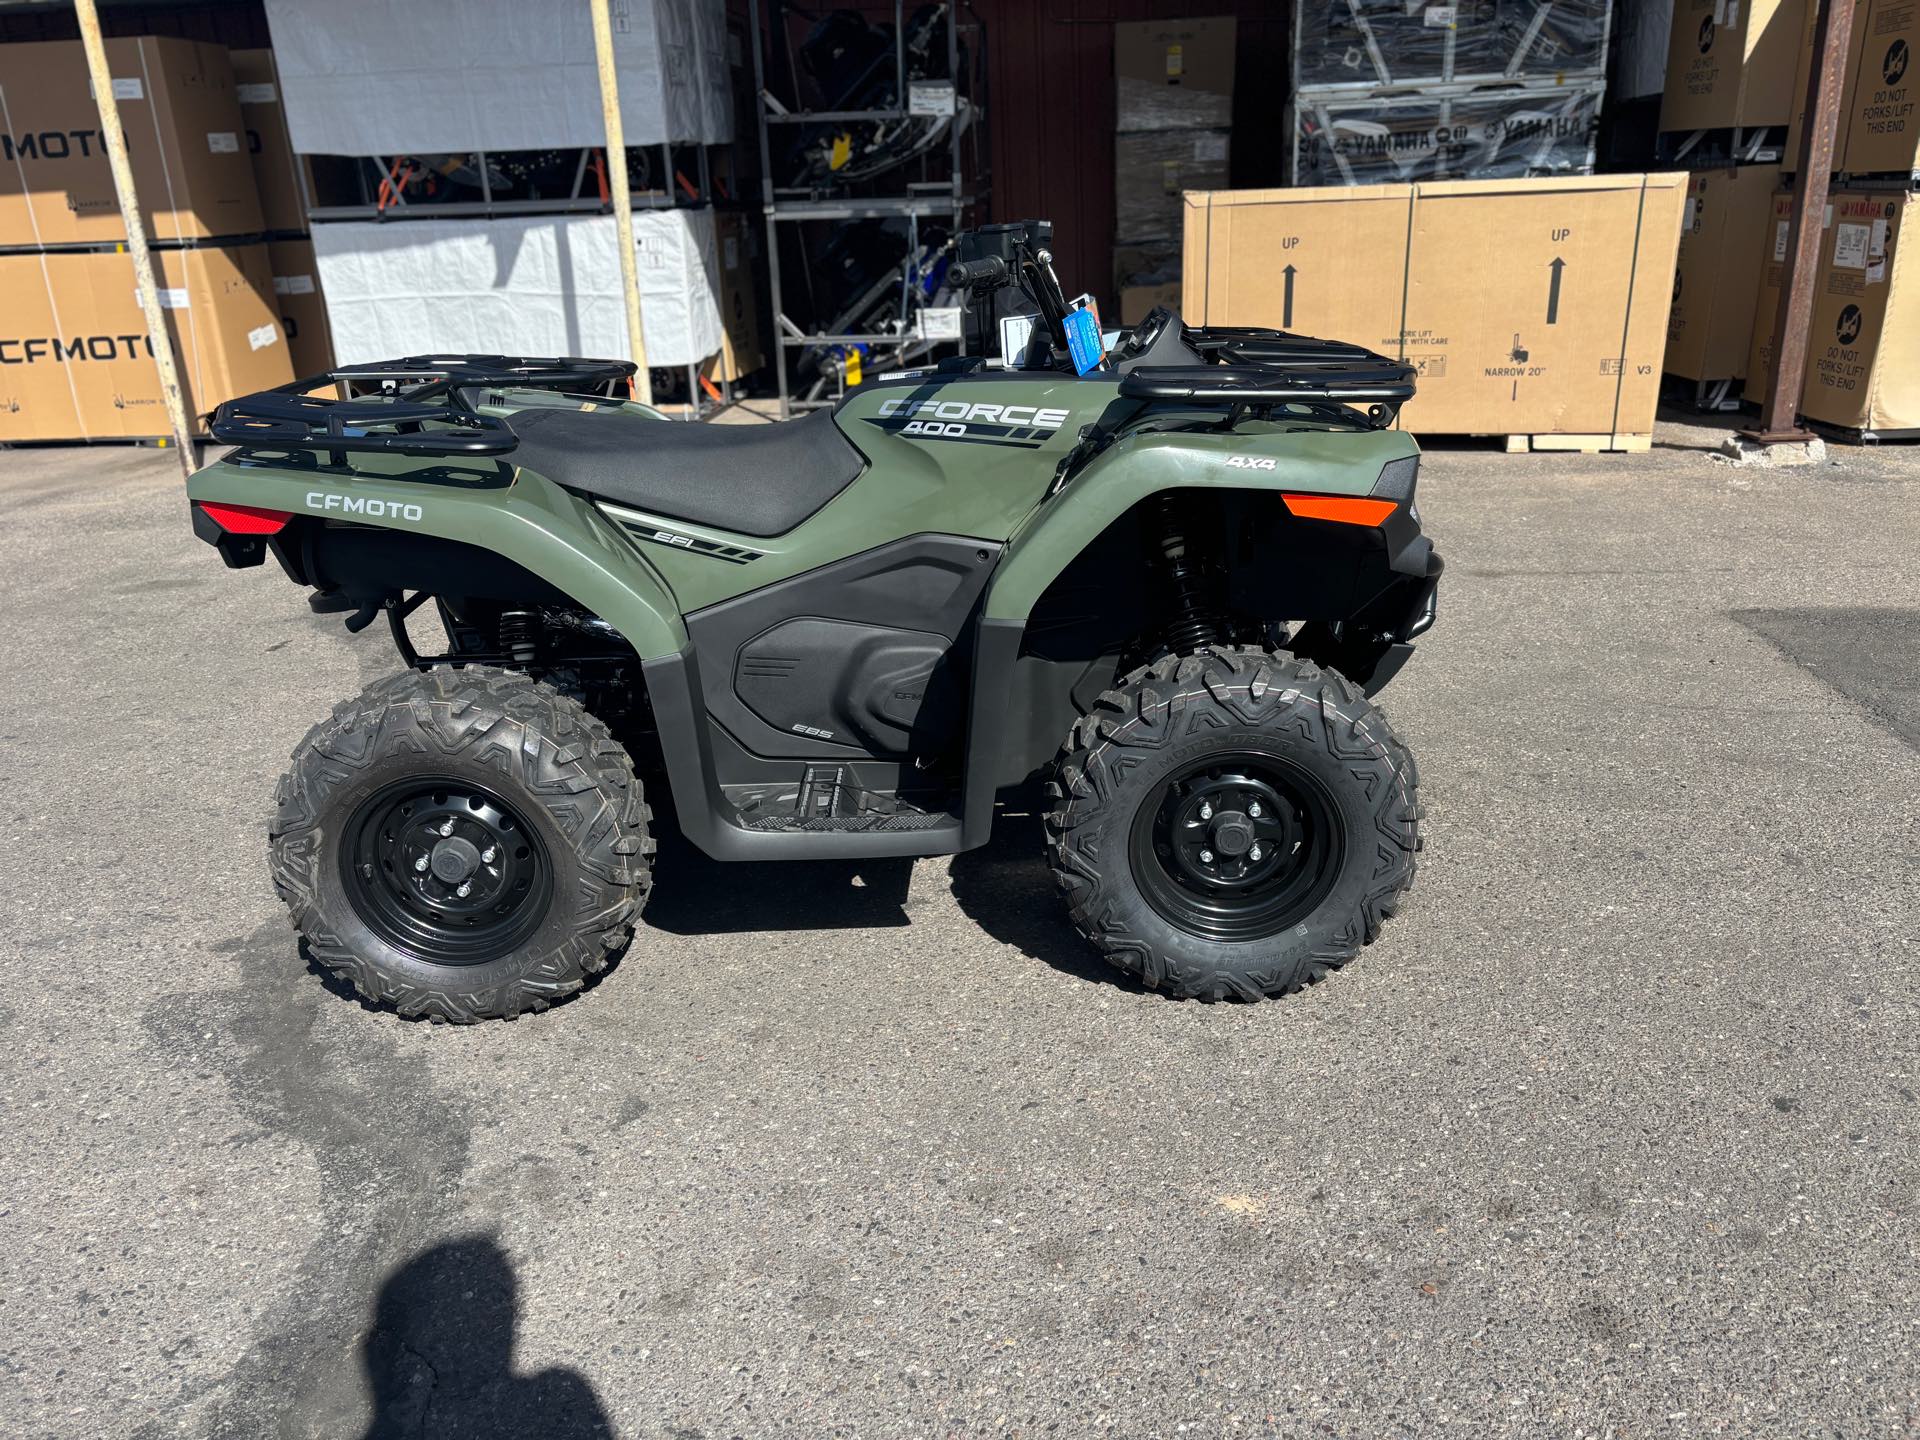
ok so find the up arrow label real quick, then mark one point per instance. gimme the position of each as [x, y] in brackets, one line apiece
[1553, 291]
[1286, 306]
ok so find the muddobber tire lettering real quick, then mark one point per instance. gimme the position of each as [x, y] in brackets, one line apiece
[1165, 715]
[546, 756]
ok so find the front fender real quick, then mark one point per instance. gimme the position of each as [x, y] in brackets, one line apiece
[1322, 462]
[513, 513]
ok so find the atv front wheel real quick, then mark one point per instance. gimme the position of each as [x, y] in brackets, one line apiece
[1233, 823]
[462, 844]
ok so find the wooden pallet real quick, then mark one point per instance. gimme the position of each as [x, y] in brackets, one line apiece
[1585, 444]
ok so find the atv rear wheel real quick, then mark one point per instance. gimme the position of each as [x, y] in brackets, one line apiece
[1233, 823]
[462, 844]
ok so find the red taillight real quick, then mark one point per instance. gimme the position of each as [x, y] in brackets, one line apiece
[1346, 509]
[246, 519]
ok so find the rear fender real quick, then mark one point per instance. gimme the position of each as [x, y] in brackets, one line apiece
[522, 517]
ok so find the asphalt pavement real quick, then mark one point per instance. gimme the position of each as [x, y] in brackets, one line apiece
[1613, 1133]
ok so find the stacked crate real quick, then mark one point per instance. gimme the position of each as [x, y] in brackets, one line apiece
[285, 183]
[1731, 95]
[1173, 110]
[1863, 353]
[75, 360]
[1385, 92]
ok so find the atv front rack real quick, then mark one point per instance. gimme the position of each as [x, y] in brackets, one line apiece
[416, 406]
[1272, 367]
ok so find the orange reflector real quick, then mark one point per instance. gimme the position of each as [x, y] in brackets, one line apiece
[1347, 509]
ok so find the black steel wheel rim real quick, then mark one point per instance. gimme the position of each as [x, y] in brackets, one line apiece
[445, 871]
[1237, 846]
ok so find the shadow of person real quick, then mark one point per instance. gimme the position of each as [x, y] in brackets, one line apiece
[1006, 888]
[439, 1358]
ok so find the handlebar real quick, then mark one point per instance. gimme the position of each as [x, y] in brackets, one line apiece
[964, 274]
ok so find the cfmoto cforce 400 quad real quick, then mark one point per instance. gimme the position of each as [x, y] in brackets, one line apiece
[1170, 585]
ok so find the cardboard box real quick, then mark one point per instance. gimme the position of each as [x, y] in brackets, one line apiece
[1173, 74]
[1151, 171]
[1710, 327]
[284, 179]
[1882, 123]
[1528, 306]
[1731, 64]
[1138, 301]
[1863, 356]
[1797, 96]
[740, 348]
[302, 306]
[74, 359]
[184, 133]
[1770, 245]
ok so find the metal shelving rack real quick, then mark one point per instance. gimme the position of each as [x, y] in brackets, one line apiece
[947, 198]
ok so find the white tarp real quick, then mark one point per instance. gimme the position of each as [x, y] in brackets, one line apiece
[426, 77]
[538, 285]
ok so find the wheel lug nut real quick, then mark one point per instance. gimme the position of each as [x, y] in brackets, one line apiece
[447, 829]
[1206, 810]
[421, 863]
[466, 889]
[487, 855]
[1254, 853]
[1206, 857]
[1253, 808]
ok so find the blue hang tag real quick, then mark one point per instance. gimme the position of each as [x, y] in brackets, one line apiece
[1083, 340]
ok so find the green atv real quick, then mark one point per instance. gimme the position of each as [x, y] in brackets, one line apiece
[1170, 584]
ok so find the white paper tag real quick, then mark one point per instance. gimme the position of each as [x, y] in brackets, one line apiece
[262, 93]
[262, 336]
[1878, 247]
[1780, 228]
[1690, 215]
[940, 322]
[293, 285]
[223, 142]
[174, 299]
[1850, 246]
[129, 89]
[1440, 17]
[930, 97]
[1016, 333]
[1209, 147]
[1176, 61]
[1826, 220]
[1876, 272]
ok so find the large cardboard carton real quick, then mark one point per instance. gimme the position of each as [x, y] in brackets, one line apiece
[185, 140]
[1324, 262]
[74, 358]
[1769, 243]
[1710, 327]
[1797, 96]
[284, 179]
[1730, 63]
[1528, 306]
[1882, 123]
[302, 306]
[1173, 74]
[1863, 356]
[740, 349]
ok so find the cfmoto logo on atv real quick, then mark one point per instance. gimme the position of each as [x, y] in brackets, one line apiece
[948, 419]
[363, 505]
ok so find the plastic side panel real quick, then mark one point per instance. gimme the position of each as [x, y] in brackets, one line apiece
[519, 515]
[1326, 463]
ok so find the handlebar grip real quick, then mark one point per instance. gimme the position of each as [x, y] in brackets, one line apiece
[966, 273]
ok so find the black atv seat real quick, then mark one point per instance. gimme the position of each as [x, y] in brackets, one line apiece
[751, 479]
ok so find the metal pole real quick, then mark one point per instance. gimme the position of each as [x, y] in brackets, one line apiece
[1779, 419]
[115, 141]
[622, 200]
[766, 197]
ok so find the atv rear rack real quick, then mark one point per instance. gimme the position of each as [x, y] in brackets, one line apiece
[1273, 367]
[406, 397]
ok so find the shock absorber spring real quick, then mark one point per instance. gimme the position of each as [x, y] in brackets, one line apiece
[1195, 618]
[518, 631]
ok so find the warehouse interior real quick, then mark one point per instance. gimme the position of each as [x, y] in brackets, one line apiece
[1407, 178]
